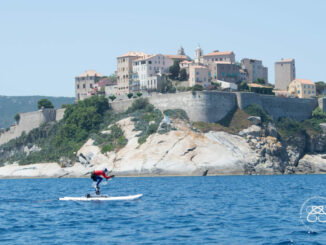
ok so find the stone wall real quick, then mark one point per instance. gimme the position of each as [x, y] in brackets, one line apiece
[29, 121]
[295, 108]
[212, 106]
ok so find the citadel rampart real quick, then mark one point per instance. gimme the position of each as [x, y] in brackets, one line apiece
[212, 106]
[207, 106]
[29, 121]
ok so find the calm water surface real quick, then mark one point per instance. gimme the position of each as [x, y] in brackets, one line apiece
[182, 210]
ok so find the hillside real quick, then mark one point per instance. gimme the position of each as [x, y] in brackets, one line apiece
[11, 105]
[146, 141]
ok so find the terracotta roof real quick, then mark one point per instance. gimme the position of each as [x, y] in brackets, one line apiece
[218, 53]
[175, 56]
[133, 54]
[90, 73]
[198, 66]
[284, 61]
[222, 62]
[105, 82]
[146, 57]
[304, 81]
[186, 61]
[255, 85]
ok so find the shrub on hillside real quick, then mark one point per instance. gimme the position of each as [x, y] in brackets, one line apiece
[256, 110]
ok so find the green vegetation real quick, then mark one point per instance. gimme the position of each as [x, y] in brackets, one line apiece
[177, 114]
[261, 90]
[139, 94]
[256, 110]
[63, 138]
[234, 122]
[259, 81]
[197, 87]
[145, 117]
[174, 70]
[112, 97]
[110, 141]
[166, 86]
[17, 118]
[243, 86]
[130, 95]
[183, 75]
[44, 103]
[320, 88]
[11, 105]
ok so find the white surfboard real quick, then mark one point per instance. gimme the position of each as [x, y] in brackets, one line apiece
[101, 198]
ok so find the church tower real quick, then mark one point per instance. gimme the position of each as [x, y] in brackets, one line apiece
[198, 54]
[181, 51]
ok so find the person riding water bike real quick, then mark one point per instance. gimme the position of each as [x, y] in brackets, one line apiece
[96, 177]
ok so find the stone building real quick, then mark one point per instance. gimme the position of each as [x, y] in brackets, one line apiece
[124, 70]
[217, 56]
[255, 70]
[85, 83]
[198, 75]
[147, 71]
[225, 71]
[284, 73]
[302, 88]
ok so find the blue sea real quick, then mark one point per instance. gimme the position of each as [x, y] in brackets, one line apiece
[173, 210]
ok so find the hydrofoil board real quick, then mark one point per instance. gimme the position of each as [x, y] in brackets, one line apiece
[101, 198]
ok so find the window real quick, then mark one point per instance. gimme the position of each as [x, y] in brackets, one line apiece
[309, 92]
[77, 85]
[298, 91]
[84, 85]
[304, 86]
[91, 85]
[197, 73]
[149, 62]
[309, 86]
[304, 91]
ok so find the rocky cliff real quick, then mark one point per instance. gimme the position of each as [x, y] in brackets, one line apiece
[174, 146]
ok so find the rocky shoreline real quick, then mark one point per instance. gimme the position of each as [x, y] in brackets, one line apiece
[184, 151]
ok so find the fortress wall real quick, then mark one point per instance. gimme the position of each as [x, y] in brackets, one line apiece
[295, 108]
[322, 104]
[121, 105]
[200, 106]
[27, 122]
[59, 114]
[212, 106]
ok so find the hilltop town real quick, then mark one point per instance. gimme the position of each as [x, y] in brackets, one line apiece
[140, 74]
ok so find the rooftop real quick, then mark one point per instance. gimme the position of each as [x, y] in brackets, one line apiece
[215, 53]
[133, 54]
[285, 61]
[176, 56]
[304, 81]
[90, 73]
[256, 85]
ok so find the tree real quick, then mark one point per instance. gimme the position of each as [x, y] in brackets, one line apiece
[112, 97]
[139, 94]
[17, 118]
[183, 75]
[112, 78]
[130, 95]
[197, 87]
[174, 70]
[166, 86]
[45, 103]
[320, 88]
[243, 86]
[260, 81]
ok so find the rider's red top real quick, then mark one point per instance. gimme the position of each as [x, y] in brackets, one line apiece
[101, 172]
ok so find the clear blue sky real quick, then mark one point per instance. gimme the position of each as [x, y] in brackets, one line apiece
[45, 44]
